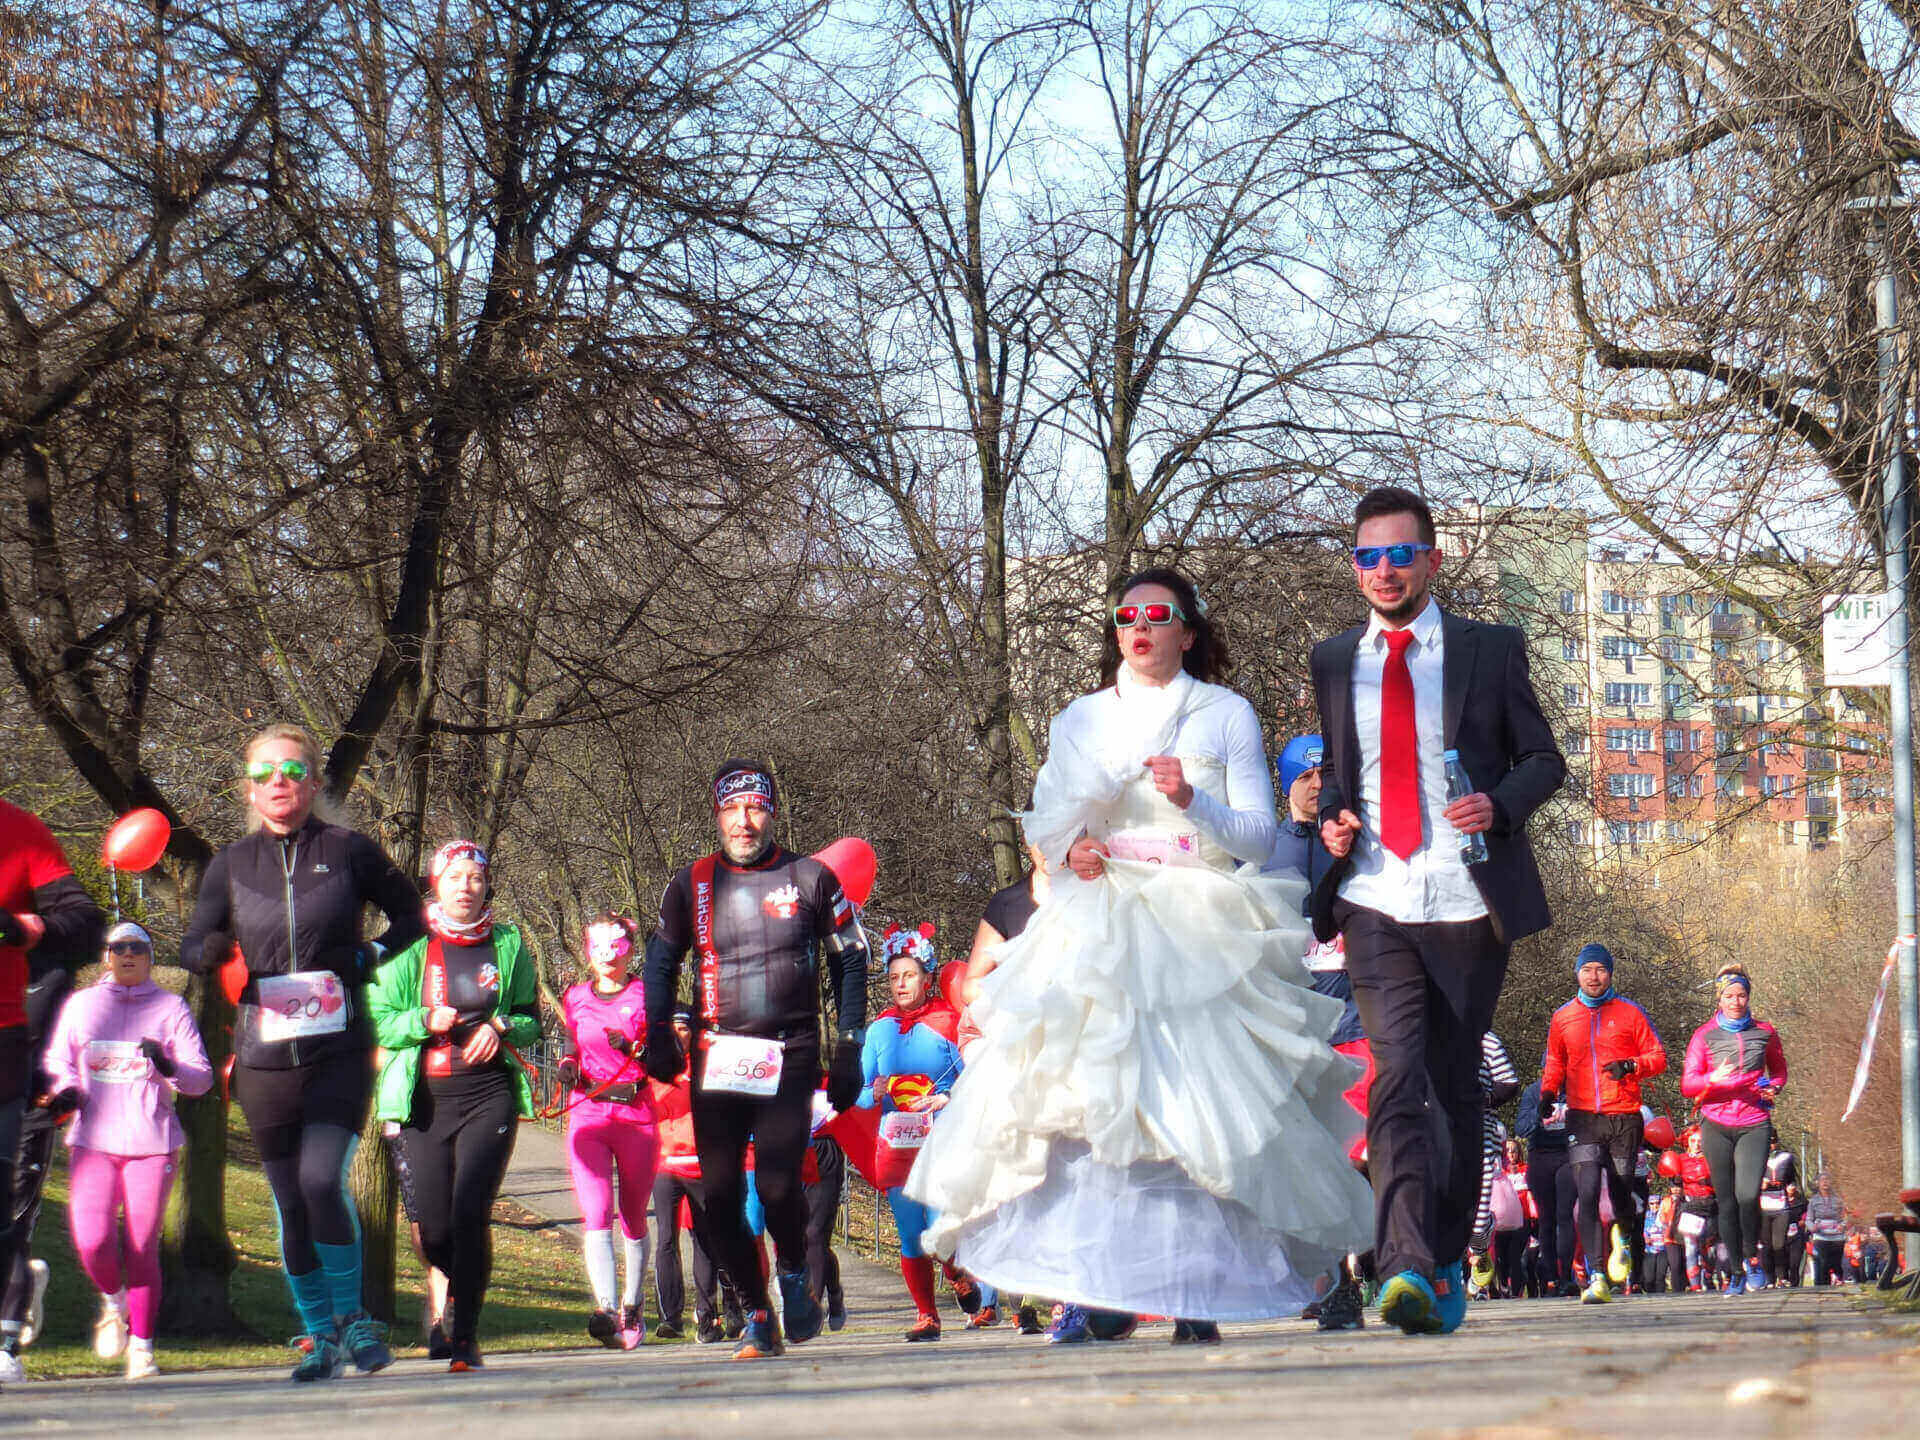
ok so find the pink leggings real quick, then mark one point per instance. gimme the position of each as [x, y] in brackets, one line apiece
[596, 1144]
[99, 1187]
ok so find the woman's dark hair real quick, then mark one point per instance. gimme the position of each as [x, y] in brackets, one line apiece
[1207, 658]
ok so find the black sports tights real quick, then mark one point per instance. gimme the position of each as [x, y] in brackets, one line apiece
[1737, 1158]
[310, 1191]
[779, 1126]
[458, 1144]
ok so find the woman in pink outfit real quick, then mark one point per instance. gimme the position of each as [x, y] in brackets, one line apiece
[610, 1125]
[121, 1050]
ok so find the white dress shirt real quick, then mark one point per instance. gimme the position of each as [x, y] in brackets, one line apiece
[1433, 886]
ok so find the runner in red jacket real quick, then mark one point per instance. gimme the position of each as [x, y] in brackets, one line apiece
[1600, 1046]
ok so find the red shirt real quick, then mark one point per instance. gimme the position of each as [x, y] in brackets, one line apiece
[29, 858]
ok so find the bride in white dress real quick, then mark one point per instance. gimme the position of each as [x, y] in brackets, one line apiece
[1152, 1119]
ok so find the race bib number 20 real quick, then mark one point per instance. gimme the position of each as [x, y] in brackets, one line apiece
[298, 1006]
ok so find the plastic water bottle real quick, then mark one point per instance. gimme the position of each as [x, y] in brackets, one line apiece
[1473, 848]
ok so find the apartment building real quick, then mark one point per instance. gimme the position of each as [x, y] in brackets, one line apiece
[1681, 712]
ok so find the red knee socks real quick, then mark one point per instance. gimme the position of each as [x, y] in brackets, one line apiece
[918, 1272]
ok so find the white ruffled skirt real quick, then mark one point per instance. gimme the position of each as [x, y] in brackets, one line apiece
[1152, 1119]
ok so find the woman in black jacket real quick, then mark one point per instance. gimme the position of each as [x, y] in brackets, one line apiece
[290, 896]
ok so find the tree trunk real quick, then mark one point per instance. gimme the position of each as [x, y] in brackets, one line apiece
[197, 1257]
[377, 1193]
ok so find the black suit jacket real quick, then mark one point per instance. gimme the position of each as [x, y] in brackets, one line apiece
[1492, 717]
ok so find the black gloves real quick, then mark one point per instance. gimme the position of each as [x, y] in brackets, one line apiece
[157, 1057]
[1547, 1100]
[12, 932]
[1620, 1069]
[618, 1041]
[843, 1075]
[662, 1059]
[215, 951]
[568, 1073]
[62, 1105]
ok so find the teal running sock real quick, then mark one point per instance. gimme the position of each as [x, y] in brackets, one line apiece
[312, 1299]
[340, 1265]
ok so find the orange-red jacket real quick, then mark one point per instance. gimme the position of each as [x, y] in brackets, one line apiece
[1582, 1041]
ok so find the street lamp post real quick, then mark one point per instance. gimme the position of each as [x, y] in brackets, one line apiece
[1896, 521]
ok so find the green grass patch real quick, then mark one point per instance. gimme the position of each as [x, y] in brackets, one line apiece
[537, 1299]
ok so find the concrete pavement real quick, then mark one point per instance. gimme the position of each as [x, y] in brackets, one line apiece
[1664, 1366]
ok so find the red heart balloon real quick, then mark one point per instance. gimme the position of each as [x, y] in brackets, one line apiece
[233, 976]
[1659, 1133]
[853, 863]
[137, 840]
[953, 975]
[1668, 1164]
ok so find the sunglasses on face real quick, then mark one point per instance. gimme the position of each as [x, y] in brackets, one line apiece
[261, 771]
[1399, 556]
[127, 947]
[1156, 612]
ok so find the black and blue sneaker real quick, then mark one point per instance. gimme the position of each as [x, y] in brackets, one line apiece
[760, 1339]
[1069, 1326]
[799, 1311]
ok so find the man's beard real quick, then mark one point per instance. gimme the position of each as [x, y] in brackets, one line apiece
[747, 852]
[1409, 606]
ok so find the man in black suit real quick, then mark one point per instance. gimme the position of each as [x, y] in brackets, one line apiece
[1427, 935]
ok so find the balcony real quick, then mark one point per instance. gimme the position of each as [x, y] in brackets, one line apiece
[1728, 626]
[1821, 807]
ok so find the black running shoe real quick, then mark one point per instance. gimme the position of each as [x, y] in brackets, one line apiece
[668, 1330]
[1341, 1308]
[465, 1357]
[709, 1332]
[604, 1326]
[801, 1314]
[836, 1310]
[438, 1346]
[1030, 1321]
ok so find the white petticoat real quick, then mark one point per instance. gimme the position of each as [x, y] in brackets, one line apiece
[1152, 1120]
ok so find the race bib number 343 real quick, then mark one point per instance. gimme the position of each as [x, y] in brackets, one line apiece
[742, 1065]
[295, 1007]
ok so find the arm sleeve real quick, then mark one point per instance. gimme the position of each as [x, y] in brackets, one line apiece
[869, 1068]
[1244, 825]
[1653, 1055]
[1553, 1069]
[846, 946]
[666, 949]
[212, 911]
[1332, 799]
[393, 1000]
[192, 1074]
[1693, 1068]
[1776, 1059]
[1527, 1123]
[75, 925]
[63, 1071]
[1503, 1081]
[381, 882]
[522, 1012]
[1538, 767]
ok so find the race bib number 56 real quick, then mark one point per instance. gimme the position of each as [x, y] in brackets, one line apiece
[742, 1065]
[295, 1007]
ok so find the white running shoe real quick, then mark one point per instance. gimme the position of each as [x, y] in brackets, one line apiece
[110, 1330]
[36, 1303]
[11, 1372]
[140, 1363]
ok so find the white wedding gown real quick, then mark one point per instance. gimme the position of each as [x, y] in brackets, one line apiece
[1152, 1118]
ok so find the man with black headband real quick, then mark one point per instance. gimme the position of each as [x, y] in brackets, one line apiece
[759, 918]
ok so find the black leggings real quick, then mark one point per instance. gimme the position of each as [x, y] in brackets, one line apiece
[669, 1284]
[780, 1126]
[35, 1155]
[1829, 1262]
[1776, 1245]
[458, 1143]
[13, 1114]
[305, 1122]
[1737, 1157]
[823, 1206]
[1550, 1179]
[1604, 1148]
[1509, 1262]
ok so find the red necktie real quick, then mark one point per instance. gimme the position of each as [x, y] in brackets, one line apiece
[1399, 751]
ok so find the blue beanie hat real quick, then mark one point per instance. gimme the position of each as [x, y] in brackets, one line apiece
[1593, 953]
[1303, 753]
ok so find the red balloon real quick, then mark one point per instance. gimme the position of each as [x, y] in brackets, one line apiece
[853, 863]
[1659, 1133]
[953, 976]
[1668, 1164]
[137, 840]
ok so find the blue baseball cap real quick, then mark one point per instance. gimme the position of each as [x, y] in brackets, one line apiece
[1303, 753]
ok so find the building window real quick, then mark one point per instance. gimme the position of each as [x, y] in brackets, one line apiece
[1622, 692]
[1570, 650]
[1618, 602]
[1623, 787]
[1620, 647]
[1573, 694]
[1631, 738]
[1777, 787]
[1732, 785]
[1576, 832]
[1569, 603]
[1575, 742]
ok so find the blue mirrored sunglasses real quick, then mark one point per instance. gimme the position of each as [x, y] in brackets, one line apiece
[1398, 556]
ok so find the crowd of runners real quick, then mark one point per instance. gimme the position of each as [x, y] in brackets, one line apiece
[1181, 1073]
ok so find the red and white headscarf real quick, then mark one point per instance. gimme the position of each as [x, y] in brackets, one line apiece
[454, 932]
[915, 945]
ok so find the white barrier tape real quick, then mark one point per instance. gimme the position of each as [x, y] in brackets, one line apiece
[1873, 1028]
